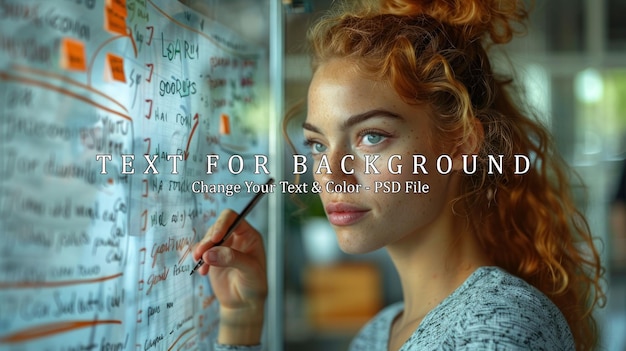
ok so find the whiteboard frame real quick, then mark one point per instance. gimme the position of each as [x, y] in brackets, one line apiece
[275, 243]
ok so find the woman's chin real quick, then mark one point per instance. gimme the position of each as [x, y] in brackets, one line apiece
[355, 247]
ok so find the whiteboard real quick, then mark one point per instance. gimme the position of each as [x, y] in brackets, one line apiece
[108, 110]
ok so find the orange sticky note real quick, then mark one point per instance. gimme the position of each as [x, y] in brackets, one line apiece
[224, 124]
[119, 6]
[73, 55]
[114, 22]
[115, 67]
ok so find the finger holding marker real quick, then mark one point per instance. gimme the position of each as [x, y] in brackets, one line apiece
[213, 235]
[238, 219]
[244, 239]
[237, 269]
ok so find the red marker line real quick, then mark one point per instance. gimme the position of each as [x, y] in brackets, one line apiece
[52, 329]
[30, 285]
[6, 76]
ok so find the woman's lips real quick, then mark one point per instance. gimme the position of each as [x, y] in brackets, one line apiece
[343, 214]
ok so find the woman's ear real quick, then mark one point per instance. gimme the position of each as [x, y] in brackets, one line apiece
[469, 144]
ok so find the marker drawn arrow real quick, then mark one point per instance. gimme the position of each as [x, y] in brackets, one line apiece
[193, 130]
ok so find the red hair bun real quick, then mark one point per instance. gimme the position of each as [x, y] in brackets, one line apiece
[495, 18]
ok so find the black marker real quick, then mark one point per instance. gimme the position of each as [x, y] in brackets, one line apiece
[239, 218]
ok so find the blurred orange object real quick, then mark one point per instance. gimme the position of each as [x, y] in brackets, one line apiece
[342, 297]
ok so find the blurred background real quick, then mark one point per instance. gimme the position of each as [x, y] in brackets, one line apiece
[571, 66]
[571, 69]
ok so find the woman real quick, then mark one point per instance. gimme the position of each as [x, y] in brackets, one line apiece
[487, 259]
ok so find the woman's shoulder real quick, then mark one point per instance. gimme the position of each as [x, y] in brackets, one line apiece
[494, 290]
[497, 310]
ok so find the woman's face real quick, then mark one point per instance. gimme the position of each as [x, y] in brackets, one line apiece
[349, 114]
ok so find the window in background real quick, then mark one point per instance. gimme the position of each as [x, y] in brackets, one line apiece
[616, 26]
[565, 25]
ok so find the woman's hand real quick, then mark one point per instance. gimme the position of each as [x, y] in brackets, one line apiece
[237, 271]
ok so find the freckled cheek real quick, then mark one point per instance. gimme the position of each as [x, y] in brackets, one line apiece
[396, 170]
[317, 177]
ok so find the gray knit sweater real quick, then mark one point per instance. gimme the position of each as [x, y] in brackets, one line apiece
[491, 310]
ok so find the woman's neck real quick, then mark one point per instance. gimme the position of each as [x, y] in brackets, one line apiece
[433, 262]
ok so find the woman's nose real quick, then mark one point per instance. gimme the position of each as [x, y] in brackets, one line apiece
[337, 166]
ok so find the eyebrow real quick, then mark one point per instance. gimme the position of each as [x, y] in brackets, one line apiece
[356, 119]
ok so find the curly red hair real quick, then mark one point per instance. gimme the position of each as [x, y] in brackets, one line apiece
[433, 52]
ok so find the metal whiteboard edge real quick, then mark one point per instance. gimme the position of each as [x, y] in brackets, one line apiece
[275, 252]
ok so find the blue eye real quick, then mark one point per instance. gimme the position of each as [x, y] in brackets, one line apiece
[319, 148]
[316, 148]
[371, 139]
